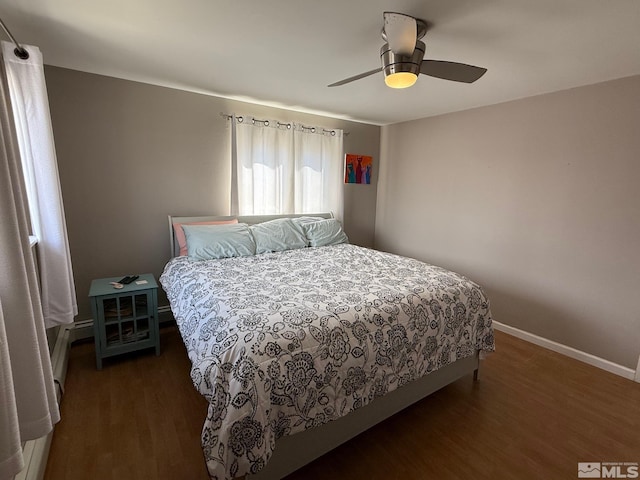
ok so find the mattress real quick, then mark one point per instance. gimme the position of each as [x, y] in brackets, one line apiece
[284, 342]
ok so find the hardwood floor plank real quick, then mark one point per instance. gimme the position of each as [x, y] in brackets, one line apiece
[533, 414]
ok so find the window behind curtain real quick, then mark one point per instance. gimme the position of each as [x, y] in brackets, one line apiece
[32, 119]
[288, 170]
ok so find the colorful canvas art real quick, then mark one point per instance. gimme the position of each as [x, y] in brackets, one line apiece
[358, 169]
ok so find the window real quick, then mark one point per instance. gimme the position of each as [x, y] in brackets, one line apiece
[286, 168]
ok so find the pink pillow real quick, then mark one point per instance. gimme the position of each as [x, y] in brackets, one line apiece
[182, 239]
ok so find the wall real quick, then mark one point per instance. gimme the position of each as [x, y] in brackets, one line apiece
[538, 201]
[129, 154]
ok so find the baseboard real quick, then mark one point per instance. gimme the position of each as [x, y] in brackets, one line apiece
[585, 357]
[36, 452]
[82, 329]
[60, 358]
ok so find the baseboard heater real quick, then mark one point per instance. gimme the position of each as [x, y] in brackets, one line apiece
[36, 452]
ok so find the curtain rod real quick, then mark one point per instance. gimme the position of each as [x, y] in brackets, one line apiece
[20, 51]
[288, 125]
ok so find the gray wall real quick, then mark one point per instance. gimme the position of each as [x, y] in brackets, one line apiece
[538, 201]
[129, 154]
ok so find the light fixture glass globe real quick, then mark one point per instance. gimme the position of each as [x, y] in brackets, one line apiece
[400, 79]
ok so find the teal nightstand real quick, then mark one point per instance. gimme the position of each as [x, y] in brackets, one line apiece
[126, 319]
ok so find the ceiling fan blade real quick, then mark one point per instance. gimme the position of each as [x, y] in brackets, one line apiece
[357, 77]
[458, 72]
[401, 32]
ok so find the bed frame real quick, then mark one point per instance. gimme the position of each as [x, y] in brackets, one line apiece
[294, 451]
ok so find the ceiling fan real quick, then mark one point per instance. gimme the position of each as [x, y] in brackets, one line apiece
[403, 56]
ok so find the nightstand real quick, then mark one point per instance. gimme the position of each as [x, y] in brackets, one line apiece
[126, 319]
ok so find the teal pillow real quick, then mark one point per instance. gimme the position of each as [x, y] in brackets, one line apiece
[206, 242]
[278, 235]
[325, 232]
[301, 221]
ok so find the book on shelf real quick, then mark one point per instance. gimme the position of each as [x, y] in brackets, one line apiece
[111, 308]
[128, 335]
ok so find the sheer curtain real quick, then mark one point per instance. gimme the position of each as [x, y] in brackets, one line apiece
[265, 167]
[319, 171]
[286, 168]
[28, 407]
[37, 151]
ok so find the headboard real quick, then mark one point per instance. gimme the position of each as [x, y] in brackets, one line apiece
[248, 219]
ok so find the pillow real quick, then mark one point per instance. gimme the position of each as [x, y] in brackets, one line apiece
[305, 220]
[325, 232]
[278, 235]
[179, 232]
[206, 242]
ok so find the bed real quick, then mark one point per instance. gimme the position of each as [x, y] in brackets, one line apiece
[299, 350]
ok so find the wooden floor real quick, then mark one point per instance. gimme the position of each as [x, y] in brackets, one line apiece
[534, 414]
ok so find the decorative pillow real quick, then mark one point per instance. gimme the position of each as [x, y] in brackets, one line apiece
[206, 242]
[325, 232]
[179, 232]
[278, 235]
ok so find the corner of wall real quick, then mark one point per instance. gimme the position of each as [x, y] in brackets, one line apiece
[381, 185]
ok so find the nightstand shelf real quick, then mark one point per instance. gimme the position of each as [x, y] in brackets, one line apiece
[124, 320]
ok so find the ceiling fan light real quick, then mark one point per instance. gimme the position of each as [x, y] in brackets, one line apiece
[400, 79]
[401, 71]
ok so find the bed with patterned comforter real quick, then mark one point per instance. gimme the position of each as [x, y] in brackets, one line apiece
[283, 342]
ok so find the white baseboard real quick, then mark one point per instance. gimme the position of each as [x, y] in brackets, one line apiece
[82, 329]
[571, 352]
[60, 358]
[36, 452]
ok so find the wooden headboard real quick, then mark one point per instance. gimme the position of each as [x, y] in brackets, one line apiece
[248, 219]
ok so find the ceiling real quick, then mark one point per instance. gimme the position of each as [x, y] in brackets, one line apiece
[284, 53]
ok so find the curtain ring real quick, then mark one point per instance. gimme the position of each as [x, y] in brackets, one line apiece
[21, 53]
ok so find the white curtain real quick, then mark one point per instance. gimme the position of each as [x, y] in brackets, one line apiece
[319, 171]
[265, 168]
[286, 168]
[28, 407]
[37, 150]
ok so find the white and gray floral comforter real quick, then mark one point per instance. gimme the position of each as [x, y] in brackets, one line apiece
[283, 342]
